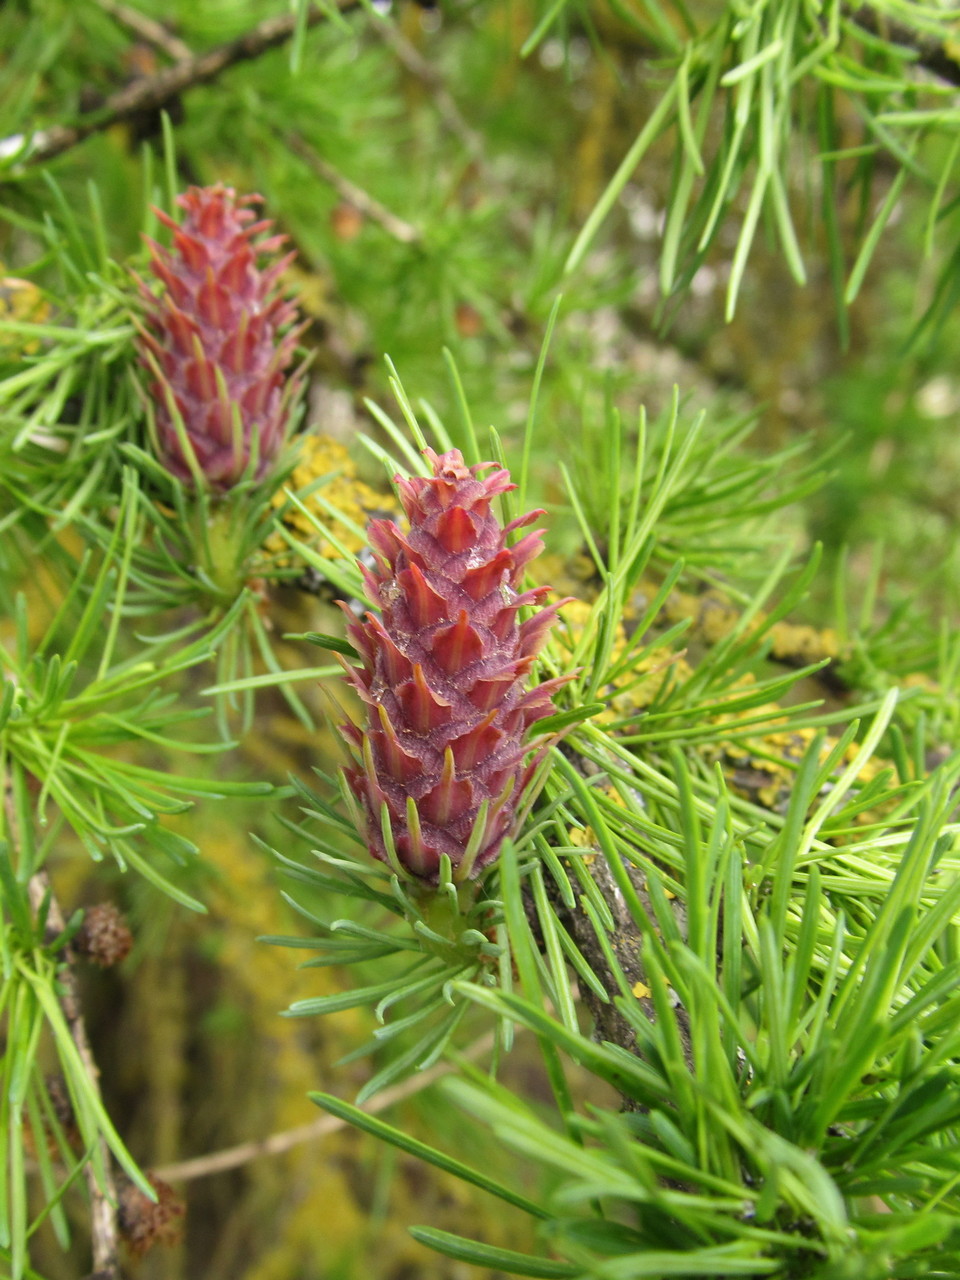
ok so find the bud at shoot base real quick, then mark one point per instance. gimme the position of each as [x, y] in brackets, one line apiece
[222, 400]
[441, 758]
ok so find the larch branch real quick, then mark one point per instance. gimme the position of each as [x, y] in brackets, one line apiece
[148, 30]
[361, 200]
[103, 1196]
[278, 1143]
[932, 54]
[156, 92]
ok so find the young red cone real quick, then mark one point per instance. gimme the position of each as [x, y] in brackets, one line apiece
[219, 341]
[443, 673]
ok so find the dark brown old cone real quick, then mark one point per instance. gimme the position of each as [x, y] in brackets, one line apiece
[443, 758]
[104, 938]
[144, 1222]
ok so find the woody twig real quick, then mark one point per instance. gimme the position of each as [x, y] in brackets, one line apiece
[155, 92]
[102, 1190]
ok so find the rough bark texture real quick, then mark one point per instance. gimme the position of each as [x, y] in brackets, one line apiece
[626, 942]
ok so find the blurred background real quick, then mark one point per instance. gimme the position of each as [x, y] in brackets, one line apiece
[431, 166]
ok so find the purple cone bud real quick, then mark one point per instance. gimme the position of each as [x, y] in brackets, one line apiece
[444, 670]
[219, 340]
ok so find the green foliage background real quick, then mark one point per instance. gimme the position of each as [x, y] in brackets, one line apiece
[755, 203]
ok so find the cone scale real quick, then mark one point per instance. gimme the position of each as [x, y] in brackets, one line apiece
[443, 756]
[218, 342]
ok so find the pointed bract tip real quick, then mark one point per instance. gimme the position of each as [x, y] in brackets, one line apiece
[444, 675]
[218, 298]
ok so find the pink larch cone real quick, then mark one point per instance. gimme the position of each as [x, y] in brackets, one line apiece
[219, 341]
[443, 673]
